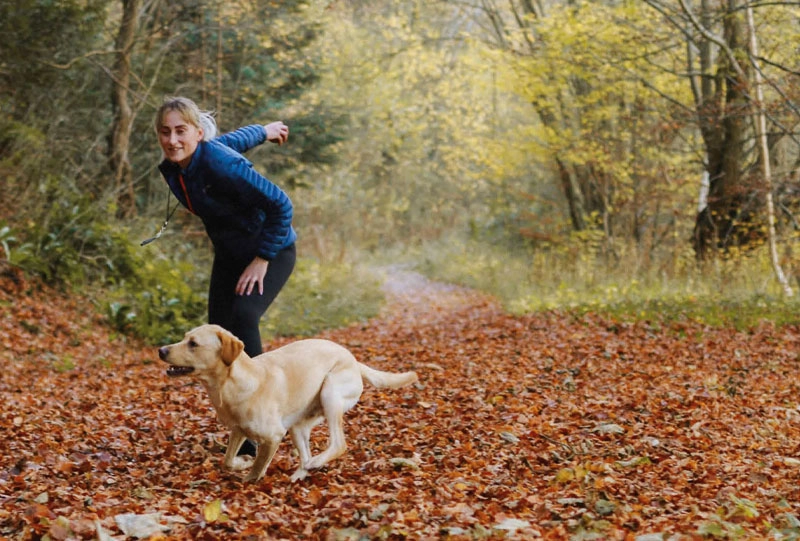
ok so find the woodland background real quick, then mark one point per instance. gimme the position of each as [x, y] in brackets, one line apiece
[622, 176]
[554, 153]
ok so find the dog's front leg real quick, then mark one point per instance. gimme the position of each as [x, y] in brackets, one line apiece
[233, 462]
[266, 451]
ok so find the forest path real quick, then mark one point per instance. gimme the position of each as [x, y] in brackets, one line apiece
[548, 425]
[414, 299]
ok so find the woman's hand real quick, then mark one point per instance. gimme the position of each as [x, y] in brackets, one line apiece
[252, 275]
[277, 132]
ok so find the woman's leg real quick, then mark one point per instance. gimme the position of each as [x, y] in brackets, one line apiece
[224, 277]
[246, 310]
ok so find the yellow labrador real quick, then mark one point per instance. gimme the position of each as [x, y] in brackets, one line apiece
[292, 389]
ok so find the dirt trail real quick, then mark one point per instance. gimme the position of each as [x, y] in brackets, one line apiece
[550, 426]
[415, 300]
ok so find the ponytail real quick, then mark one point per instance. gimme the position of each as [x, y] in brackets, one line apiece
[209, 125]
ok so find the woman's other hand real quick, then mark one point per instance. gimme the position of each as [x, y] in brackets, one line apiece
[277, 132]
[252, 275]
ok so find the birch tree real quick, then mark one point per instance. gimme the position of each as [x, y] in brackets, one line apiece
[763, 145]
[731, 111]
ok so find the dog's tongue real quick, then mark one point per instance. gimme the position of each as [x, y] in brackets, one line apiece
[173, 371]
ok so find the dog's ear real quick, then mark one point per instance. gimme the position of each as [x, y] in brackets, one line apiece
[231, 347]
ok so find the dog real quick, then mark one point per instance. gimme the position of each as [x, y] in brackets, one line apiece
[290, 389]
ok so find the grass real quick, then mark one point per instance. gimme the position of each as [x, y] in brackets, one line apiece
[158, 292]
[741, 292]
[165, 293]
[318, 296]
[322, 295]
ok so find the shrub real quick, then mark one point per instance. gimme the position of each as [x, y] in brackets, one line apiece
[322, 295]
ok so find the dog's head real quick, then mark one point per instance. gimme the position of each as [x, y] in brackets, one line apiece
[201, 349]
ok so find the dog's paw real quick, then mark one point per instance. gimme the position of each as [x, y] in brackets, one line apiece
[242, 463]
[299, 475]
[316, 462]
[252, 477]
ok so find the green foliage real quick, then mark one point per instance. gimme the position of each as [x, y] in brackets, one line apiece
[7, 240]
[580, 278]
[414, 160]
[159, 303]
[719, 528]
[37, 35]
[64, 364]
[158, 295]
[73, 247]
[168, 297]
[323, 295]
[70, 242]
[165, 300]
[787, 527]
[725, 524]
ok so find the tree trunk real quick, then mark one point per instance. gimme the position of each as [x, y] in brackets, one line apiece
[119, 138]
[220, 71]
[573, 195]
[723, 115]
[763, 145]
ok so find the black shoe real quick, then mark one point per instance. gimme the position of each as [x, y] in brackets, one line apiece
[248, 448]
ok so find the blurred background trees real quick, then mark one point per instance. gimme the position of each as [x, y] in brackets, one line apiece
[569, 138]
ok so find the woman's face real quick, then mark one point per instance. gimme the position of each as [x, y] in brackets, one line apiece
[178, 138]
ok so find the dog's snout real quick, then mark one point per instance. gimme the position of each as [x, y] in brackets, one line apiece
[163, 352]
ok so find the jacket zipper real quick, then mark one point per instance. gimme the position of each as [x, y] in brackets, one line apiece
[186, 194]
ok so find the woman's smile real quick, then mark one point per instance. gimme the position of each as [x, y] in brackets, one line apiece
[178, 138]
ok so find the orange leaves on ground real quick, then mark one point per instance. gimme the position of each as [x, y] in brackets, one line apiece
[548, 425]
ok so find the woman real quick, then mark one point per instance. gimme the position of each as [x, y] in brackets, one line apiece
[247, 217]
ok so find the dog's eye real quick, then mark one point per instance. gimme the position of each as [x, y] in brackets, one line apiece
[192, 343]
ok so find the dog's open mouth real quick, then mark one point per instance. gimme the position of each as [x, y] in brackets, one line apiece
[179, 370]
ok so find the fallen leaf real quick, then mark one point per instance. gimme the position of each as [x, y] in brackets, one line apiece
[608, 428]
[402, 462]
[140, 526]
[633, 462]
[512, 525]
[509, 437]
[212, 512]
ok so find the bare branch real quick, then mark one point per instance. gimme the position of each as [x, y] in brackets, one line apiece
[77, 59]
[710, 36]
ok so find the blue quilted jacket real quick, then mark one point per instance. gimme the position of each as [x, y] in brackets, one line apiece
[245, 215]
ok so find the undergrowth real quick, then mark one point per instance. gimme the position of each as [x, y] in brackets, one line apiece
[170, 296]
[159, 291]
[322, 295]
[740, 291]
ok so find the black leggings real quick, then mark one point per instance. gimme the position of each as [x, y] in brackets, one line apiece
[240, 314]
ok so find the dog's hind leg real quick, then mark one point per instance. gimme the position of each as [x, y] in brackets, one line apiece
[266, 450]
[301, 436]
[339, 393]
[233, 462]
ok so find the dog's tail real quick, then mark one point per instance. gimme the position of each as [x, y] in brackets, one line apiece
[381, 379]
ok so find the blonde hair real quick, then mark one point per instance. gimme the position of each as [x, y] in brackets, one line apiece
[190, 112]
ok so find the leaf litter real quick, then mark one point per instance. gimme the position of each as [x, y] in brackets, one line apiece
[550, 426]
